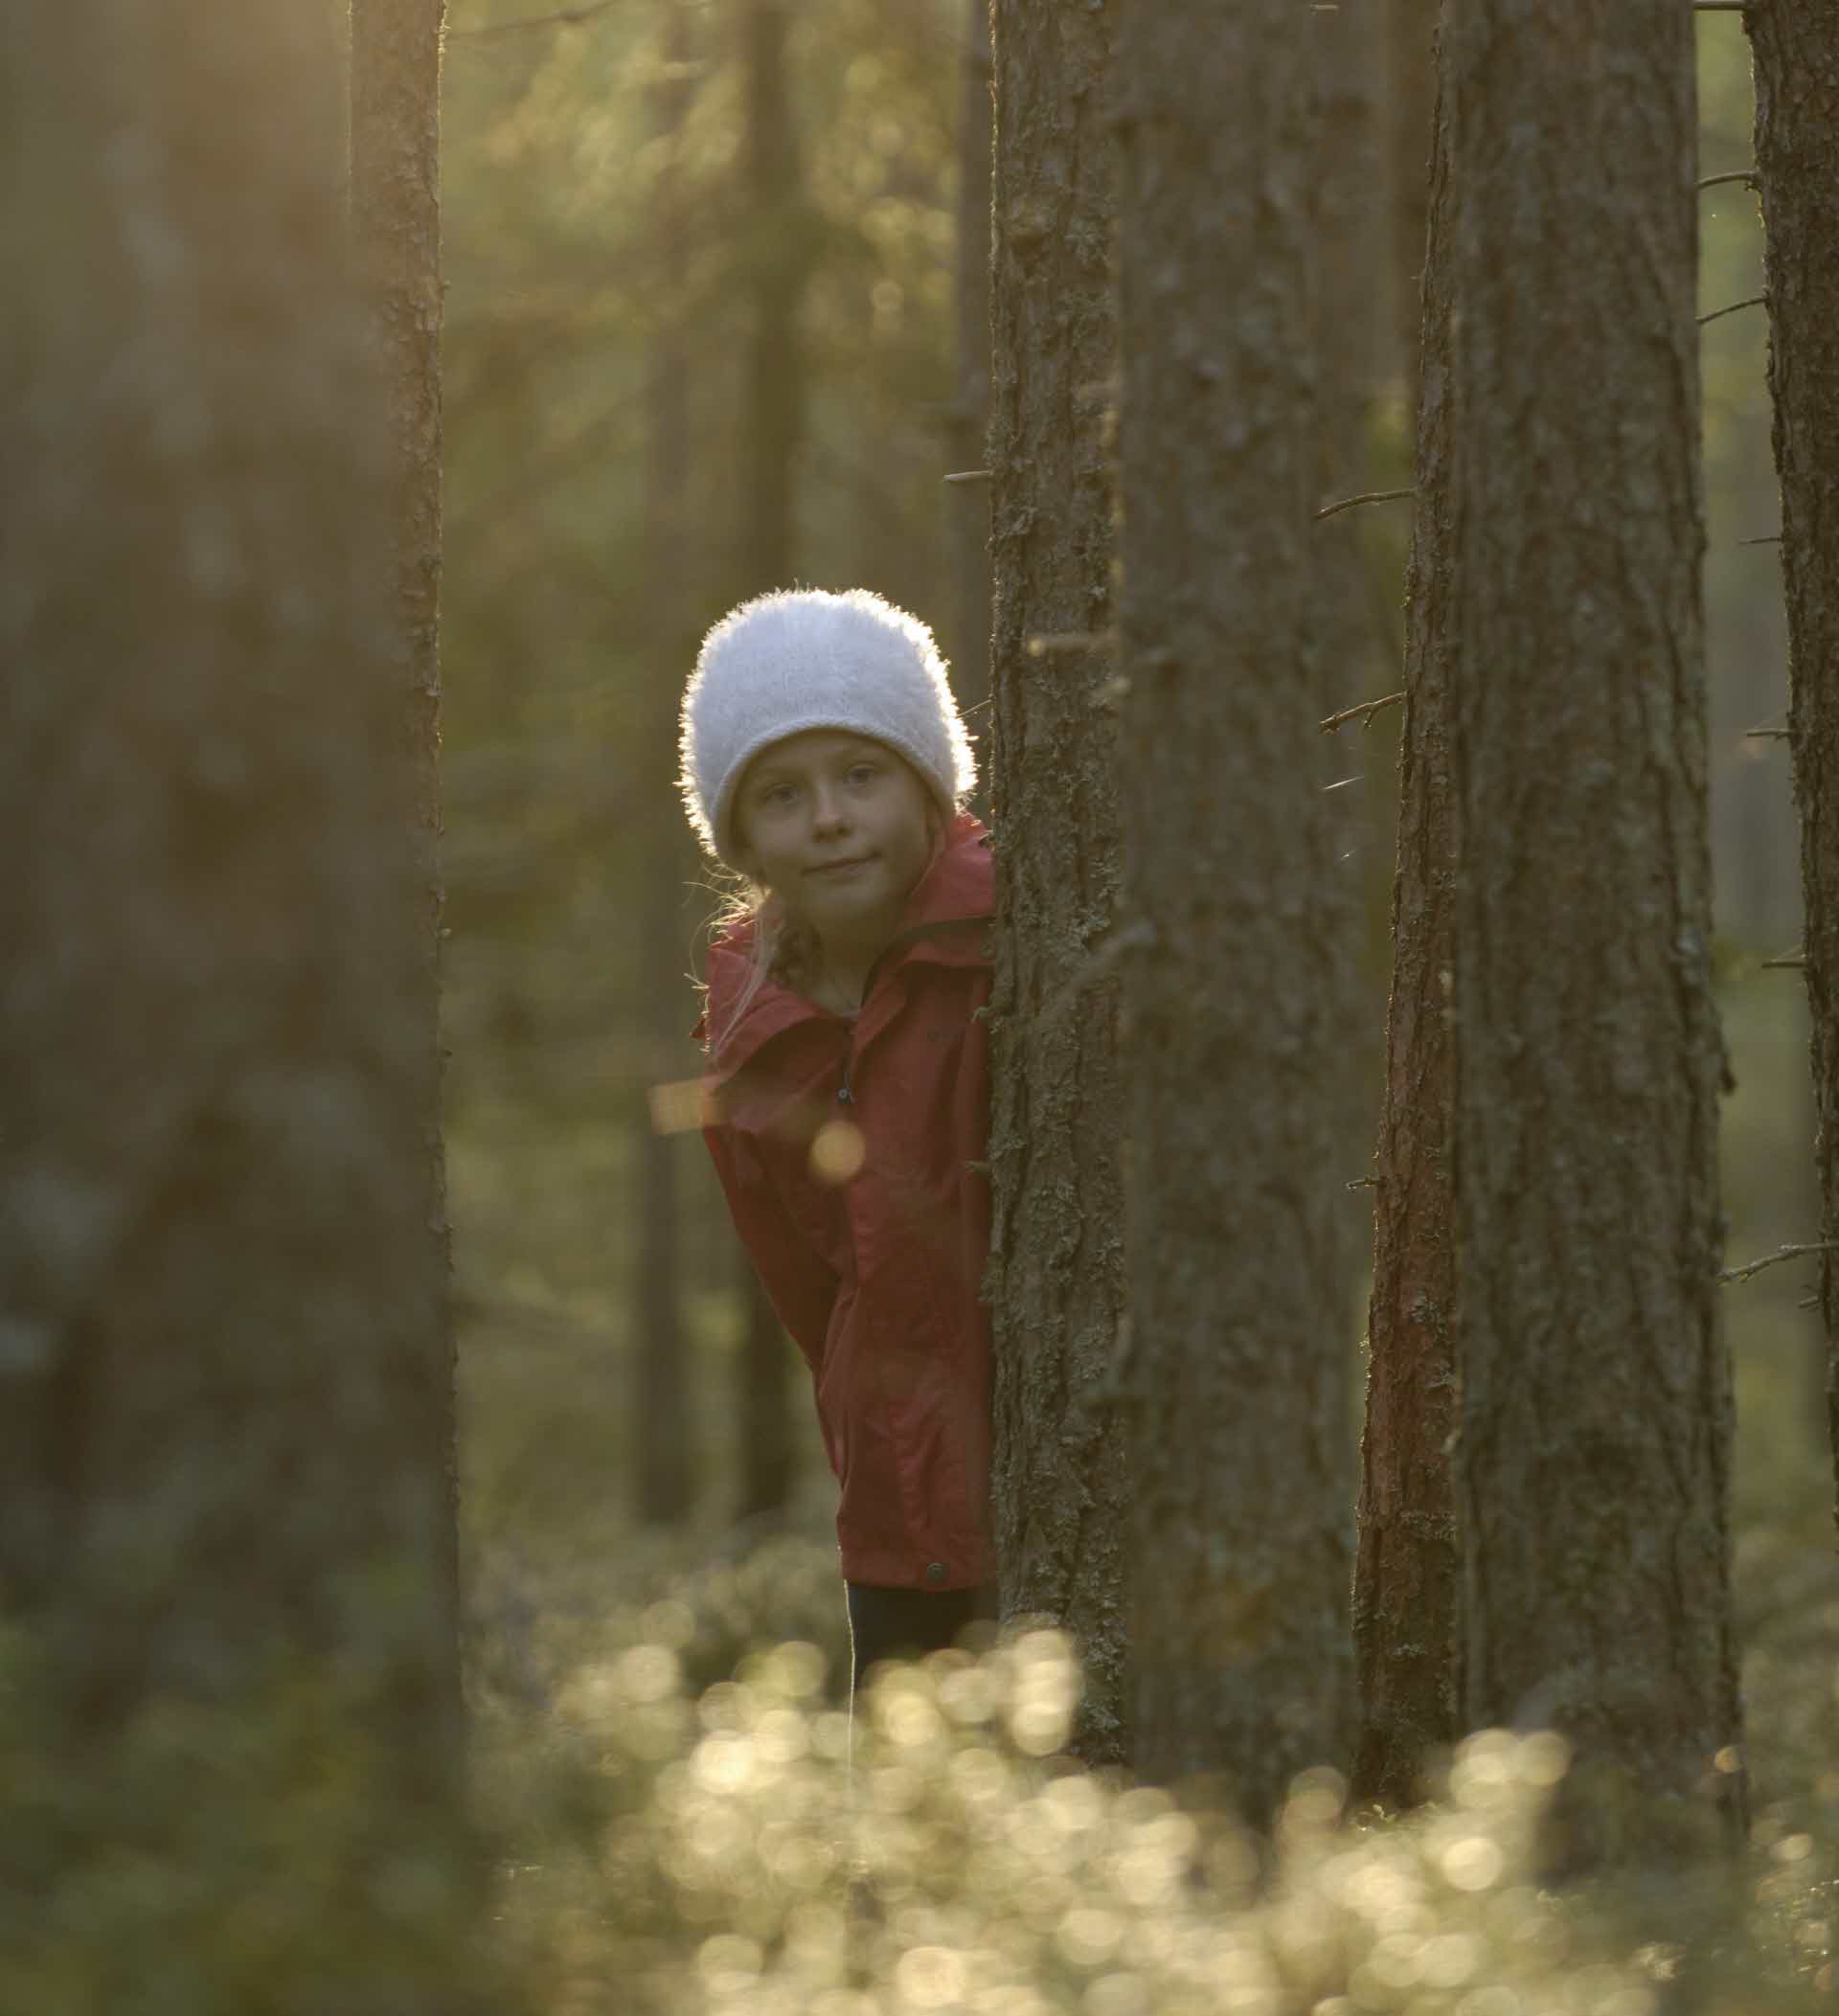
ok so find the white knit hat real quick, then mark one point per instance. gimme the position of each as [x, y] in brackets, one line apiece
[804, 658]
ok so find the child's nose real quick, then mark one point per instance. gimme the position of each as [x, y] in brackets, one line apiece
[827, 808]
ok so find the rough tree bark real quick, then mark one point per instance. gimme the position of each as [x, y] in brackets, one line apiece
[664, 1479]
[1055, 1276]
[775, 426]
[1237, 1370]
[225, 1359]
[1594, 1457]
[967, 526]
[1796, 65]
[1408, 1565]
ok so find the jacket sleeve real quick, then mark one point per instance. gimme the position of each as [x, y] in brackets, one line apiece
[800, 1287]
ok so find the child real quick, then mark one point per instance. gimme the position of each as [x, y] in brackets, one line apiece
[825, 760]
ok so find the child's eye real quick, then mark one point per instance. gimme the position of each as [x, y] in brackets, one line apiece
[775, 797]
[864, 773]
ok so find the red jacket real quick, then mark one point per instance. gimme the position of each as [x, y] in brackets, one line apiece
[875, 1273]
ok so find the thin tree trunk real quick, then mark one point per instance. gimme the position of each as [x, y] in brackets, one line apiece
[226, 1362]
[774, 430]
[1411, 27]
[969, 504]
[662, 1466]
[1408, 1567]
[1237, 1366]
[1055, 1283]
[1353, 642]
[1593, 1459]
[1796, 65]
[395, 186]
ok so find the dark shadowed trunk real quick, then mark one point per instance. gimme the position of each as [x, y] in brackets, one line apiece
[1408, 1567]
[664, 1480]
[1594, 1457]
[226, 1492]
[1235, 1377]
[1796, 64]
[775, 422]
[1055, 1280]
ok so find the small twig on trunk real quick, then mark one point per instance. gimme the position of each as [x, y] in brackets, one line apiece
[1768, 538]
[1363, 713]
[1741, 174]
[1346, 503]
[1755, 300]
[1364, 1182]
[968, 476]
[1789, 962]
[1771, 1259]
[1766, 735]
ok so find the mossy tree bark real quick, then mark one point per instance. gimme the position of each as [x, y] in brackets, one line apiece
[1237, 1371]
[1055, 1276]
[1594, 1457]
[1796, 66]
[225, 1507]
[1408, 1564]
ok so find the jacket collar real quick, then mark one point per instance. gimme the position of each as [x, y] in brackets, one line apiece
[937, 927]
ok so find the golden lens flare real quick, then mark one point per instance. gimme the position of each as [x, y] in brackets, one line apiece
[837, 1151]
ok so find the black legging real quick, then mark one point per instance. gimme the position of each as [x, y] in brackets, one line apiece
[906, 1623]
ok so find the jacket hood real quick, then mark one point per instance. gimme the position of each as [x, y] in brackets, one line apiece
[957, 889]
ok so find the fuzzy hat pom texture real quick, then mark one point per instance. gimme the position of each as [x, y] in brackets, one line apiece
[804, 658]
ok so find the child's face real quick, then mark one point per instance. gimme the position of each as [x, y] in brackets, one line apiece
[839, 827]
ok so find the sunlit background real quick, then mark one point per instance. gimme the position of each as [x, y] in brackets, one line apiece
[604, 242]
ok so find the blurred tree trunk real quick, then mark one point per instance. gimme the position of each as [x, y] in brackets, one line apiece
[1411, 78]
[1593, 1459]
[1238, 1362]
[225, 1501]
[1796, 65]
[1408, 1566]
[662, 1464]
[969, 504]
[395, 184]
[1055, 1281]
[1351, 659]
[775, 423]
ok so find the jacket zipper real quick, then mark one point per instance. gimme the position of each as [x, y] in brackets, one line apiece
[845, 1091]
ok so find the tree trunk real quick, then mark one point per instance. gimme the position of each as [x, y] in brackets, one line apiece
[969, 504]
[1055, 1281]
[773, 429]
[1796, 66]
[662, 1466]
[225, 1504]
[1354, 659]
[1411, 86]
[1238, 1364]
[1594, 1458]
[395, 184]
[1408, 1567]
